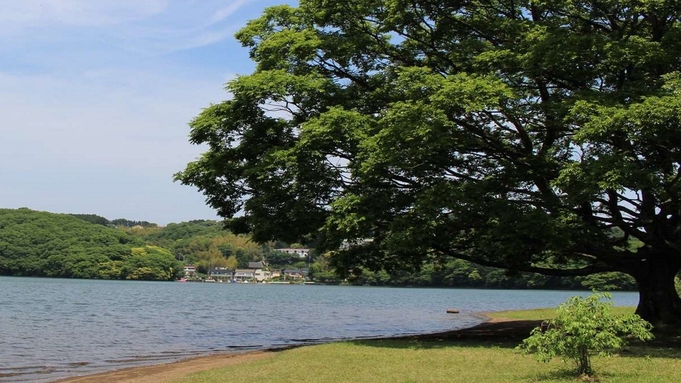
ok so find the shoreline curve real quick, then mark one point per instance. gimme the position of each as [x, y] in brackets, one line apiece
[164, 372]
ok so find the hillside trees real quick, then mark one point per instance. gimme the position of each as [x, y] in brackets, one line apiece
[43, 244]
[151, 263]
[201, 242]
[515, 134]
[99, 220]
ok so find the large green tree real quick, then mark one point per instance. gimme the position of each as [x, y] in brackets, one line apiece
[534, 135]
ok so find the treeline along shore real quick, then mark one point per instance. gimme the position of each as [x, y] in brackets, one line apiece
[43, 244]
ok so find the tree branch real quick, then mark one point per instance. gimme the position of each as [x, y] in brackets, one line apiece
[587, 270]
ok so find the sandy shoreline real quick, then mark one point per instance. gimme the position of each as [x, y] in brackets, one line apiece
[167, 372]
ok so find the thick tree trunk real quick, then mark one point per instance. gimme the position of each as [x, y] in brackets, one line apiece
[659, 303]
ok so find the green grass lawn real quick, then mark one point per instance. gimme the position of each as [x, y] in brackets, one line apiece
[546, 313]
[467, 360]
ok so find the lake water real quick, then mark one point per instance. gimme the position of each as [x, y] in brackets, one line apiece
[52, 328]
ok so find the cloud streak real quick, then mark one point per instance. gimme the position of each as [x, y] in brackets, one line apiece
[151, 26]
[20, 15]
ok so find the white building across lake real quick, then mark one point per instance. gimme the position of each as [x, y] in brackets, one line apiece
[301, 253]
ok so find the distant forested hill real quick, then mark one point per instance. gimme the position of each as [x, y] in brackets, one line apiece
[94, 218]
[203, 243]
[34, 243]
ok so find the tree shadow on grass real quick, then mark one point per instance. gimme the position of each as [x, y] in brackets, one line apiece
[501, 334]
[664, 345]
[650, 351]
[510, 334]
[569, 375]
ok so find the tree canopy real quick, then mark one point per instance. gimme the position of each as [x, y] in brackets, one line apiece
[534, 135]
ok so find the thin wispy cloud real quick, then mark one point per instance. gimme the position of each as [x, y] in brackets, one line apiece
[151, 26]
[229, 10]
[17, 16]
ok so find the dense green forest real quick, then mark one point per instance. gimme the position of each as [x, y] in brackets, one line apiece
[99, 220]
[202, 243]
[44, 244]
[36, 243]
[459, 273]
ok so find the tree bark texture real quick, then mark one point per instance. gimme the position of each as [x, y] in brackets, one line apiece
[659, 302]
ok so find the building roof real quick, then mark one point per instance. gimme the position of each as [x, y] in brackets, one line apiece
[221, 271]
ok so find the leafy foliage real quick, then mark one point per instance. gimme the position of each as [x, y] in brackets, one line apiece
[583, 327]
[512, 134]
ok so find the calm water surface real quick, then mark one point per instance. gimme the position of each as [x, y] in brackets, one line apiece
[52, 328]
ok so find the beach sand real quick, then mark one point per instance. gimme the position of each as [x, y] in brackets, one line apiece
[169, 371]
[495, 329]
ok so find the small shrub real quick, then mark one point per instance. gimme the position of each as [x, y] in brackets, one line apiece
[583, 327]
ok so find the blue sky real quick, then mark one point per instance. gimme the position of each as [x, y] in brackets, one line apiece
[96, 95]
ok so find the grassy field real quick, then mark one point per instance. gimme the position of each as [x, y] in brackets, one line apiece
[466, 357]
[546, 313]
